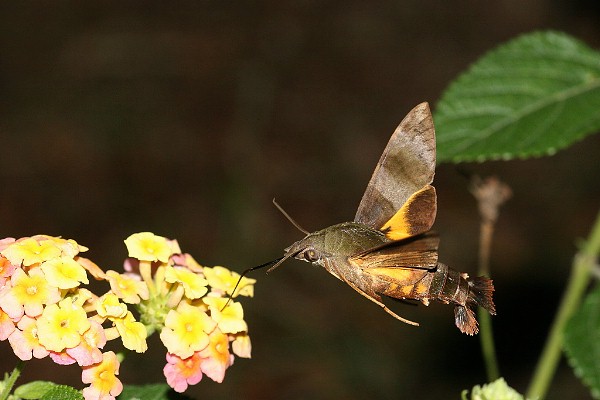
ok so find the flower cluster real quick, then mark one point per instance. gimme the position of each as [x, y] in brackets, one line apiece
[189, 304]
[45, 311]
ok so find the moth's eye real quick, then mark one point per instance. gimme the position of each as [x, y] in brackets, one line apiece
[310, 255]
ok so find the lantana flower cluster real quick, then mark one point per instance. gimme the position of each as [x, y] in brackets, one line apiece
[45, 311]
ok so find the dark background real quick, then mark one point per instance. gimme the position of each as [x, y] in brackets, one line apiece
[187, 118]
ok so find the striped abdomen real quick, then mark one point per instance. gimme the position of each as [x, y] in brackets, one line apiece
[450, 286]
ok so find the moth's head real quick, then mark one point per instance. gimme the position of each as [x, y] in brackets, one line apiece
[310, 249]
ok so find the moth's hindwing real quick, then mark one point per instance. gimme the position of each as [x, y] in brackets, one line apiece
[402, 262]
[415, 216]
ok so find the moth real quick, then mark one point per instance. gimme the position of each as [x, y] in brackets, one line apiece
[388, 249]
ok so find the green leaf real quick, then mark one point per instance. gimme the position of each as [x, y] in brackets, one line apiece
[159, 391]
[63, 392]
[529, 97]
[497, 390]
[34, 390]
[44, 390]
[582, 342]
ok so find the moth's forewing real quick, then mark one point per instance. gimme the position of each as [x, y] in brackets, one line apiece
[403, 262]
[405, 168]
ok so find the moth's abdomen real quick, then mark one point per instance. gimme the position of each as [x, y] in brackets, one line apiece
[450, 286]
[466, 293]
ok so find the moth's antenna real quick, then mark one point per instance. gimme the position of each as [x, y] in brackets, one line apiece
[277, 261]
[301, 229]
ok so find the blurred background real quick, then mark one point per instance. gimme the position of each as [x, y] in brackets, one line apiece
[187, 118]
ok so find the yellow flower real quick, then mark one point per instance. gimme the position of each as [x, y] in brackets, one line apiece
[68, 247]
[241, 345]
[194, 284]
[29, 251]
[132, 333]
[223, 279]
[83, 297]
[62, 325]
[64, 272]
[127, 287]
[146, 246]
[109, 306]
[186, 330]
[103, 378]
[28, 294]
[230, 319]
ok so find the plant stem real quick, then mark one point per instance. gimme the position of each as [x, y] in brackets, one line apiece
[490, 194]
[580, 276]
[488, 349]
[10, 382]
[486, 335]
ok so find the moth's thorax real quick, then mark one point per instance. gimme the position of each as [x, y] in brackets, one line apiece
[349, 238]
[337, 242]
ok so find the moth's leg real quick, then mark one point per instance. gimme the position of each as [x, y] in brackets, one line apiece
[375, 298]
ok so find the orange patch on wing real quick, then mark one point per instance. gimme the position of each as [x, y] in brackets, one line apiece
[397, 227]
[414, 217]
[421, 289]
[406, 291]
[399, 276]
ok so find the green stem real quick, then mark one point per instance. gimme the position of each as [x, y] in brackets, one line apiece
[490, 194]
[488, 349]
[486, 335]
[10, 382]
[579, 279]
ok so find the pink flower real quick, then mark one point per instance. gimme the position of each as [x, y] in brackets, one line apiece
[62, 358]
[6, 270]
[4, 243]
[182, 372]
[216, 357]
[7, 326]
[87, 352]
[24, 341]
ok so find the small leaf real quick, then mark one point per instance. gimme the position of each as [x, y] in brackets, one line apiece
[45, 390]
[582, 342]
[34, 390]
[529, 97]
[63, 392]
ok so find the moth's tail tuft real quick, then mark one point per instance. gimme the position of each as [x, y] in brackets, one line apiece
[481, 290]
[465, 320]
